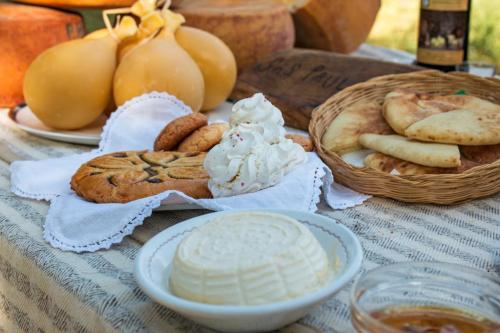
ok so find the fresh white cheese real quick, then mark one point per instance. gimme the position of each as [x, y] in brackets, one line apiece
[248, 258]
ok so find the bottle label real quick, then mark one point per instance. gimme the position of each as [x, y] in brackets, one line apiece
[446, 5]
[442, 32]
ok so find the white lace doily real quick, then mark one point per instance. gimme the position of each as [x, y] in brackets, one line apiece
[74, 224]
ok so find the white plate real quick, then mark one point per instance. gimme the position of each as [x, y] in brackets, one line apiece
[153, 263]
[27, 121]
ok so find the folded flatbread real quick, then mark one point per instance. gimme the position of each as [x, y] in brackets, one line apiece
[473, 127]
[342, 135]
[403, 108]
[389, 164]
[423, 153]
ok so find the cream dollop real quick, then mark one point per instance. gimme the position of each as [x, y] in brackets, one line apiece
[260, 115]
[254, 154]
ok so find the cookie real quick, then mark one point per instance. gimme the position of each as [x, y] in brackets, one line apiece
[127, 176]
[204, 138]
[304, 141]
[177, 130]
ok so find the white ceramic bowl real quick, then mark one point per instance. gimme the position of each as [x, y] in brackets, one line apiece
[153, 264]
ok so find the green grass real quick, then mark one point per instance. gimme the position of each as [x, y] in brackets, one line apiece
[397, 22]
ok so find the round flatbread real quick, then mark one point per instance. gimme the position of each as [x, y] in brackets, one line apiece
[475, 127]
[481, 154]
[396, 166]
[403, 108]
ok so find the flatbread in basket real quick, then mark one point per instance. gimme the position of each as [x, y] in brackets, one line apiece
[476, 181]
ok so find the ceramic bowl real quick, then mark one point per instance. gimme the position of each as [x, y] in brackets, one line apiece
[153, 265]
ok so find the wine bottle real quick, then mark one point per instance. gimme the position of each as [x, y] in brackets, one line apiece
[443, 33]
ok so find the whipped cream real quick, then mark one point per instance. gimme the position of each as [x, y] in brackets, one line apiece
[254, 154]
[258, 114]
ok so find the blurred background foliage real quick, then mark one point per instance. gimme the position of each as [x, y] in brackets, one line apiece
[397, 23]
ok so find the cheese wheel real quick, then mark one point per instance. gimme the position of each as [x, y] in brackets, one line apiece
[333, 25]
[247, 259]
[251, 29]
[26, 31]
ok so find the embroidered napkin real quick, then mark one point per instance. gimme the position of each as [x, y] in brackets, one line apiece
[74, 224]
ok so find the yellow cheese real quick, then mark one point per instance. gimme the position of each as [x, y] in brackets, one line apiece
[97, 34]
[215, 60]
[334, 25]
[251, 29]
[68, 86]
[161, 65]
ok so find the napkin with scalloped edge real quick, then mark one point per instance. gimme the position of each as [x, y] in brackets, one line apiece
[74, 224]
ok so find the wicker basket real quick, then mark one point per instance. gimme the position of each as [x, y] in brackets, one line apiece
[474, 183]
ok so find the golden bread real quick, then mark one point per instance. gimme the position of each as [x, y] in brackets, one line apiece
[126, 176]
[403, 108]
[423, 153]
[463, 127]
[389, 164]
[342, 134]
[481, 154]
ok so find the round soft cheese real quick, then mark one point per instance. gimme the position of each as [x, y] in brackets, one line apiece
[248, 258]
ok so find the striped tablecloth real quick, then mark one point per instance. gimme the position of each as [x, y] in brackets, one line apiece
[43, 289]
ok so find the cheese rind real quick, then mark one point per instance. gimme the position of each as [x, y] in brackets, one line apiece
[247, 259]
[252, 30]
[334, 25]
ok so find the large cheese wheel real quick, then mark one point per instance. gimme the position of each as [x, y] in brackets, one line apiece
[251, 29]
[334, 25]
[26, 31]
